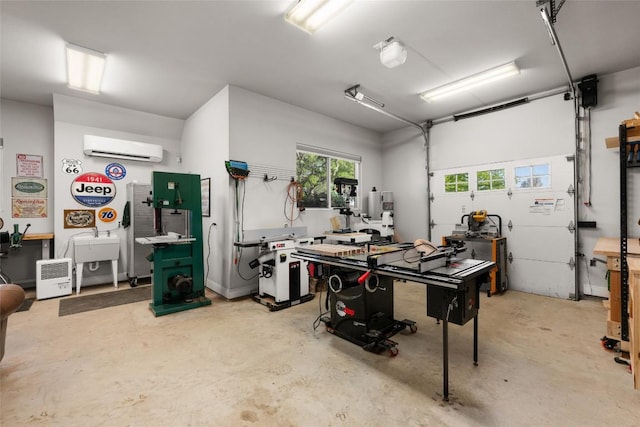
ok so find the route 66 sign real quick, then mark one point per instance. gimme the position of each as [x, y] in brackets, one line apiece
[71, 166]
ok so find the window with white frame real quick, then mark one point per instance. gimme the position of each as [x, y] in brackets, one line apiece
[490, 180]
[456, 183]
[316, 171]
[533, 176]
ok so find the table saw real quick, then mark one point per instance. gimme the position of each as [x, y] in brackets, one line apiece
[360, 290]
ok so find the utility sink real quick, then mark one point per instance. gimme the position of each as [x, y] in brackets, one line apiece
[91, 248]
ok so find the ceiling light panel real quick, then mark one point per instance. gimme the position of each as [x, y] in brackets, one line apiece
[309, 15]
[85, 68]
[470, 82]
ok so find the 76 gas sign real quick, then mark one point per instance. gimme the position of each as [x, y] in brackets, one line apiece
[107, 214]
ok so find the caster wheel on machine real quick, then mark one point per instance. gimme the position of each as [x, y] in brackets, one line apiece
[133, 282]
[392, 352]
[413, 329]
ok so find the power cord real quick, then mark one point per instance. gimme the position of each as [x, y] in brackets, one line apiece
[318, 321]
[213, 224]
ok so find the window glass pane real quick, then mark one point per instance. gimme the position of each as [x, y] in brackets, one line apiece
[524, 171]
[312, 176]
[456, 182]
[490, 180]
[542, 181]
[316, 173]
[484, 185]
[497, 174]
[522, 182]
[483, 175]
[341, 168]
[541, 170]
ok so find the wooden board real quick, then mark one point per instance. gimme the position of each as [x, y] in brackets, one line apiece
[615, 307]
[333, 250]
[614, 141]
[610, 246]
[634, 325]
[47, 236]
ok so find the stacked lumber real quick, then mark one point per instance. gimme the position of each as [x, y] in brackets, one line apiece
[633, 132]
[333, 250]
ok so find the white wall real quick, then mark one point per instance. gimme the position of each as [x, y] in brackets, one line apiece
[26, 129]
[618, 99]
[205, 147]
[265, 131]
[405, 174]
[76, 117]
[262, 131]
[543, 128]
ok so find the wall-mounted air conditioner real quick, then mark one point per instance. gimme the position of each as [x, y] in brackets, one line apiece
[101, 146]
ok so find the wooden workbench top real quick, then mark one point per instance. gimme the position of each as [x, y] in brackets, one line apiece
[42, 236]
[610, 246]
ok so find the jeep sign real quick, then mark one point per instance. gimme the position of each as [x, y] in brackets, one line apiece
[93, 189]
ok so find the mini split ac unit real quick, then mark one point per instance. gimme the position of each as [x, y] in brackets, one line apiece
[100, 146]
[53, 278]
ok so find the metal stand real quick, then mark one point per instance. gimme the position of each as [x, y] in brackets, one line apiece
[366, 318]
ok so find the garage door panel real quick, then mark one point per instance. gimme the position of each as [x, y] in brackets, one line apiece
[547, 245]
[549, 209]
[541, 278]
[540, 241]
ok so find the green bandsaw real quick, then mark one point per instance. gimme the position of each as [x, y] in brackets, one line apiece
[178, 270]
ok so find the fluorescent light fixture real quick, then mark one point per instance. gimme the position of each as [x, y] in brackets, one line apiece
[84, 68]
[470, 82]
[309, 15]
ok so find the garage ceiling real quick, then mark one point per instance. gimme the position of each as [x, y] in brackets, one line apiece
[170, 57]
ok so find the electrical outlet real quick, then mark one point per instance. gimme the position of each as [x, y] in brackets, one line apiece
[592, 262]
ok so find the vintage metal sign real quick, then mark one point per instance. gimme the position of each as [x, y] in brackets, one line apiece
[79, 218]
[71, 166]
[93, 190]
[28, 188]
[115, 171]
[29, 165]
[107, 214]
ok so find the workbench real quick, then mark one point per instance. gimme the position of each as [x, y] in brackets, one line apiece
[610, 247]
[453, 285]
[20, 263]
[634, 319]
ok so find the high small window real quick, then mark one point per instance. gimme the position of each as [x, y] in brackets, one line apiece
[534, 176]
[456, 183]
[316, 173]
[490, 180]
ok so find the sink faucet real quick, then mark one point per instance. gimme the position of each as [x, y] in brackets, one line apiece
[95, 231]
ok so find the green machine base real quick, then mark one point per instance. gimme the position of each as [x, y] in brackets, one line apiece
[178, 269]
[162, 309]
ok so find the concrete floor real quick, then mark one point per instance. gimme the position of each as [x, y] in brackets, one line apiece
[237, 364]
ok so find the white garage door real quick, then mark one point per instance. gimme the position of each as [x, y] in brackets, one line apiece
[536, 205]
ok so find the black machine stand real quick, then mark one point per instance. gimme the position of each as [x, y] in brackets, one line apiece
[363, 313]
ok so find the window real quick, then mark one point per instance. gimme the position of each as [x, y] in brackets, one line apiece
[535, 176]
[456, 183]
[316, 172]
[490, 180]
